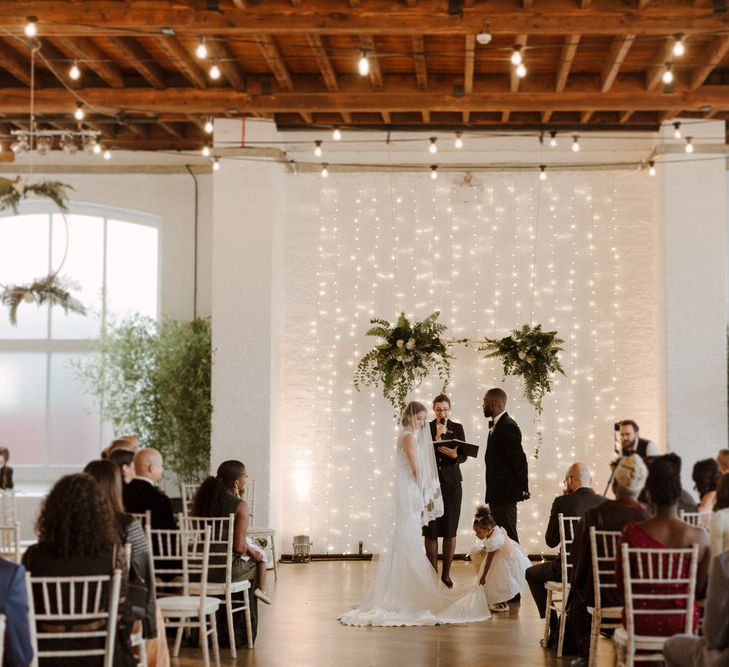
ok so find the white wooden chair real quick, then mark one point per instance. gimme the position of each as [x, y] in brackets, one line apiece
[10, 542]
[221, 534]
[8, 508]
[675, 569]
[698, 519]
[83, 608]
[2, 637]
[177, 554]
[603, 547]
[188, 491]
[263, 536]
[145, 518]
[557, 591]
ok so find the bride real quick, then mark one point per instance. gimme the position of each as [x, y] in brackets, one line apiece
[403, 587]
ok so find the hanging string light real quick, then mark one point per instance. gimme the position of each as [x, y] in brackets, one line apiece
[678, 46]
[205, 151]
[79, 113]
[668, 74]
[516, 57]
[651, 168]
[364, 63]
[434, 171]
[317, 148]
[576, 144]
[689, 148]
[553, 139]
[107, 154]
[677, 130]
[96, 148]
[324, 170]
[216, 164]
[336, 134]
[202, 50]
[542, 172]
[214, 71]
[458, 143]
[31, 27]
[521, 70]
[74, 72]
[433, 148]
[209, 126]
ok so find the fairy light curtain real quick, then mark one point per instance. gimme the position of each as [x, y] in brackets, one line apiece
[360, 246]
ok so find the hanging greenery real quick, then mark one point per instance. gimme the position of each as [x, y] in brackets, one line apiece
[410, 352]
[12, 191]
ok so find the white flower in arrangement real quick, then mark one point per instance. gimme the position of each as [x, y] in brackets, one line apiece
[522, 355]
[399, 358]
[19, 186]
[410, 344]
[530, 360]
[400, 342]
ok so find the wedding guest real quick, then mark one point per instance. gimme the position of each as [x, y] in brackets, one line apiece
[448, 461]
[712, 648]
[719, 524]
[628, 482]
[630, 440]
[502, 570]
[127, 442]
[705, 475]
[507, 473]
[142, 494]
[78, 536]
[722, 458]
[125, 460]
[664, 530]
[18, 651]
[221, 496]
[6, 472]
[577, 497]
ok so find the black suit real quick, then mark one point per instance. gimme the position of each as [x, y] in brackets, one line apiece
[506, 473]
[140, 496]
[449, 474]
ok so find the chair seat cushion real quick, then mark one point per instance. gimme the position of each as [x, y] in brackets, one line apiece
[186, 605]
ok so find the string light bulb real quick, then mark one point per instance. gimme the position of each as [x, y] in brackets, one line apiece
[107, 154]
[205, 151]
[317, 148]
[542, 172]
[458, 143]
[433, 148]
[336, 134]
[364, 64]
[651, 168]
[324, 170]
[79, 113]
[521, 70]
[31, 27]
[208, 126]
[516, 57]
[434, 171]
[216, 164]
[553, 139]
[668, 75]
[678, 46]
[214, 71]
[96, 148]
[576, 144]
[74, 73]
[202, 50]
[677, 130]
[689, 148]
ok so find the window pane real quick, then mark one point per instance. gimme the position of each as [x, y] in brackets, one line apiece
[131, 271]
[24, 257]
[23, 405]
[84, 266]
[73, 422]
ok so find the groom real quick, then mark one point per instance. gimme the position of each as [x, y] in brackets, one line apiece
[449, 473]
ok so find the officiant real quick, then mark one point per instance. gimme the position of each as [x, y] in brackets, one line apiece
[448, 460]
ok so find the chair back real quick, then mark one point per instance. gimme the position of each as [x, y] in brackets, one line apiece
[188, 491]
[180, 557]
[2, 637]
[8, 508]
[670, 575]
[249, 495]
[698, 519]
[567, 526]
[603, 548]
[144, 518]
[10, 542]
[81, 608]
[221, 542]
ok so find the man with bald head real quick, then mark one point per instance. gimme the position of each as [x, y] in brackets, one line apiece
[141, 493]
[577, 497]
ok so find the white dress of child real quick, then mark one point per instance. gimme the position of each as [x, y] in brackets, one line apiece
[506, 576]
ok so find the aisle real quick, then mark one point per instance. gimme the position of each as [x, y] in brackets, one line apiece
[300, 630]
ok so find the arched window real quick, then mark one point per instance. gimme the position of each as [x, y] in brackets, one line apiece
[113, 255]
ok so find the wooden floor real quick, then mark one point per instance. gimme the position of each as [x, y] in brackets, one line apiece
[300, 629]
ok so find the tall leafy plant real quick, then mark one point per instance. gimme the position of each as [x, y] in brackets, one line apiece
[153, 379]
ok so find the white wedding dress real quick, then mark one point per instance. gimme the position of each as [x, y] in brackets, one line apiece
[403, 588]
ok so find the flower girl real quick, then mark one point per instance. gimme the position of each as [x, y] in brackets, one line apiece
[502, 571]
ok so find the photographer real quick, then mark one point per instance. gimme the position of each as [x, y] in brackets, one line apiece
[631, 442]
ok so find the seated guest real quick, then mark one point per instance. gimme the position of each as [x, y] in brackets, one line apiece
[125, 460]
[719, 524]
[14, 605]
[712, 648]
[77, 536]
[221, 496]
[705, 475]
[664, 530]
[722, 458]
[628, 481]
[686, 502]
[142, 494]
[6, 472]
[577, 498]
[129, 443]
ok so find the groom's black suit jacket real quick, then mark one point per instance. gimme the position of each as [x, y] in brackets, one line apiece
[449, 470]
[506, 464]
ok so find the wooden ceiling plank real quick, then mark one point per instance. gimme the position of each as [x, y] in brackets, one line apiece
[585, 117]
[626, 116]
[139, 59]
[367, 42]
[714, 55]
[183, 61]
[654, 73]
[307, 117]
[466, 117]
[470, 64]
[618, 50]
[514, 80]
[567, 56]
[505, 117]
[421, 68]
[326, 68]
[275, 61]
[642, 4]
[411, 3]
[170, 130]
[228, 63]
[94, 58]
[12, 62]
[546, 116]
[425, 115]
[386, 117]
[527, 4]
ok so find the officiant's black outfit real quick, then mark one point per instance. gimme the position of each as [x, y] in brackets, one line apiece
[449, 474]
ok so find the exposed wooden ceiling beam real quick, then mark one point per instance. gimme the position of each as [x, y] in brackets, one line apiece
[714, 56]
[585, 4]
[625, 116]
[567, 56]
[513, 78]
[346, 116]
[239, 4]
[663, 55]
[425, 115]
[307, 117]
[275, 61]
[642, 4]
[618, 51]
[110, 17]
[94, 58]
[505, 116]
[527, 4]
[386, 117]
[227, 62]
[421, 69]
[139, 59]
[585, 117]
[546, 117]
[466, 117]
[183, 61]
[12, 62]
[411, 3]
[326, 68]
[469, 64]
[367, 42]
[172, 131]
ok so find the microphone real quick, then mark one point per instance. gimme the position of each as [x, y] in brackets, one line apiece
[443, 421]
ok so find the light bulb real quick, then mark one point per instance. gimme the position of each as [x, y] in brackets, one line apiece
[216, 164]
[96, 148]
[689, 148]
[214, 72]
[677, 130]
[516, 55]
[521, 70]
[324, 170]
[337, 134]
[434, 171]
[458, 143]
[433, 148]
[652, 168]
[107, 154]
[74, 72]
[678, 48]
[317, 148]
[208, 126]
[542, 172]
[553, 139]
[364, 64]
[205, 151]
[201, 51]
[667, 75]
[31, 29]
[575, 144]
[79, 114]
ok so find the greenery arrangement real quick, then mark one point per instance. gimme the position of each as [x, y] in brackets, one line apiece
[153, 379]
[409, 352]
[13, 190]
[531, 353]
